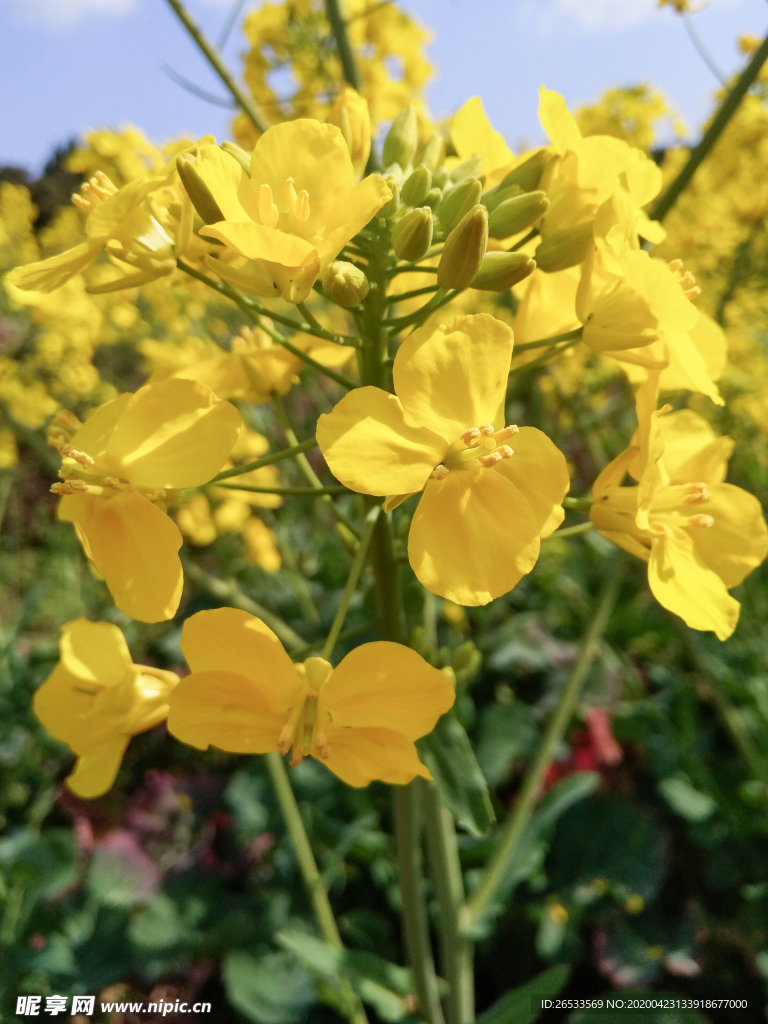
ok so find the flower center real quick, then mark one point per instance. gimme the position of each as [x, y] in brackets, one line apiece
[94, 192]
[297, 205]
[303, 729]
[480, 444]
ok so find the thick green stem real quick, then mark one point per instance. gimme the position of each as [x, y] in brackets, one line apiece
[727, 109]
[267, 460]
[568, 336]
[343, 47]
[570, 531]
[496, 871]
[457, 952]
[212, 55]
[415, 922]
[354, 575]
[294, 492]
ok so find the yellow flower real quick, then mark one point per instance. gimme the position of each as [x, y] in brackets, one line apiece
[117, 470]
[96, 699]
[245, 695]
[477, 528]
[351, 116]
[699, 535]
[120, 222]
[473, 135]
[294, 213]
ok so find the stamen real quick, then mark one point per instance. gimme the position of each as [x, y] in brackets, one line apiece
[440, 472]
[302, 206]
[268, 212]
[506, 432]
[687, 280]
[290, 196]
[692, 293]
[659, 529]
[486, 429]
[700, 521]
[94, 192]
[116, 485]
[71, 486]
[286, 739]
[471, 434]
[503, 452]
[695, 494]
[85, 460]
[675, 265]
[321, 742]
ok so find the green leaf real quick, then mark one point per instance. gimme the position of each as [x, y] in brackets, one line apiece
[506, 733]
[274, 989]
[519, 1005]
[689, 803]
[158, 924]
[244, 797]
[461, 784]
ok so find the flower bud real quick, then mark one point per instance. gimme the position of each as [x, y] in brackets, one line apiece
[345, 284]
[417, 186]
[470, 168]
[500, 270]
[197, 190]
[496, 196]
[434, 198]
[528, 174]
[351, 116]
[565, 248]
[440, 177]
[464, 250]
[458, 202]
[402, 139]
[412, 235]
[243, 158]
[434, 152]
[390, 209]
[517, 213]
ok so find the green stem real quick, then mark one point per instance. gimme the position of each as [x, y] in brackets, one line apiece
[392, 299]
[414, 911]
[568, 336]
[346, 56]
[439, 299]
[267, 460]
[518, 245]
[457, 952]
[289, 492]
[309, 872]
[570, 531]
[701, 49]
[314, 323]
[535, 364]
[212, 55]
[582, 504]
[728, 108]
[354, 575]
[498, 866]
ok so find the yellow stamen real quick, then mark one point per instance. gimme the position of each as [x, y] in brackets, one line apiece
[700, 521]
[290, 195]
[506, 432]
[675, 265]
[659, 529]
[695, 494]
[68, 452]
[440, 472]
[268, 212]
[70, 487]
[302, 206]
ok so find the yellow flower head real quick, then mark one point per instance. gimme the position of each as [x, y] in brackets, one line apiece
[699, 535]
[360, 719]
[485, 506]
[96, 699]
[117, 470]
[294, 213]
[120, 222]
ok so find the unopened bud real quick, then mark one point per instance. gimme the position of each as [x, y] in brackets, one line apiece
[470, 168]
[434, 198]
[390, 209]
[198, 192]
[500, 270]
[239, 154]
[464, 250]
[495, 196]
[434, 152]
[517, 213]
[402, 139]
[528, 174]
[563, 249]
[417, 186]
[345, 284]
[412, 235]
[458, 202]
[440, 177]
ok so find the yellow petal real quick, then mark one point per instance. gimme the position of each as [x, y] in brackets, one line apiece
[548, 306]
[539, 471]
[96, 771]
[134, 546]
[108, 217]
[348, 217]
[174, 433]
[236, 643]
[473, 536]
[455, 376]
[93, 437]
[557, 121]
[95, 652]
[388, 685]
[473, 135]
[62, 703]
[225, 710]
[50, 274]
[370, 447]
[682, 584]
[195, 522]
[255, 278]
[261, 545]
[738, 541]
[358, 756]
[257, 242]
[692, 451]
[227, 182]
[709, 338]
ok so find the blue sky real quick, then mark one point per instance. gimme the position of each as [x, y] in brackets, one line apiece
[73, 64]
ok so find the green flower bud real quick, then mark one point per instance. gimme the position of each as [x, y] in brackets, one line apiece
[496, 196]
[434, 198]
[412, 235]
[464, 250]
[417, 186]
[468, 169]
[345, 284]
[458, 202]
[466, 662]
[402, 139]
[565, 248]
[440, 177]
[500, 270]
[528, 175]
[515, 214]
[197, 190]
[434, 152]
[243, 158]
[390, 209]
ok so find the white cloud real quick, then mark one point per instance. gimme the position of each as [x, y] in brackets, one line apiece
[58, 14]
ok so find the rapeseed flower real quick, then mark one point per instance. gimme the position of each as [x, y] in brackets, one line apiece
[295, 212]
[484, 507]
[245, 695]
[96, 699]
[117, 471]
[699, 535]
